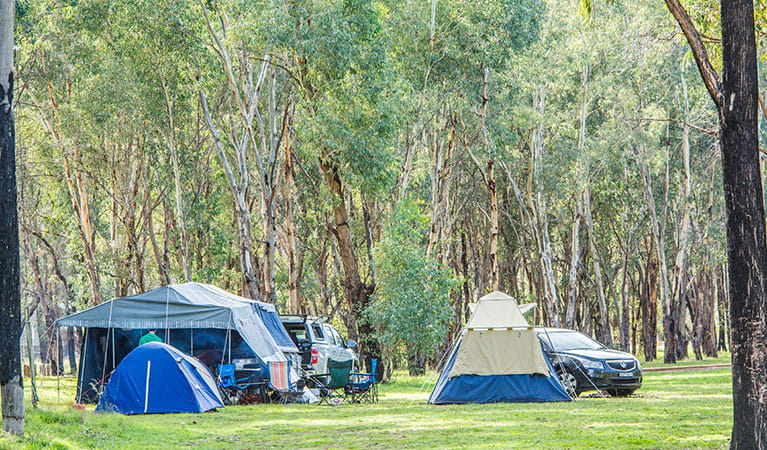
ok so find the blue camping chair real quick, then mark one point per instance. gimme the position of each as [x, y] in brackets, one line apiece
[364, 387]
[246, 389]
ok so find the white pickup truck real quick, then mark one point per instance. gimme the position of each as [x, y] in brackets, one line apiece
[317, 341]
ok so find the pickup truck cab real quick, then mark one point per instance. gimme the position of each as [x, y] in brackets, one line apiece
[317, 342]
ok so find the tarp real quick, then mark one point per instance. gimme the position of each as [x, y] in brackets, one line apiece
[198, 318]
[158, 378]
[192, 305]
[498, 358]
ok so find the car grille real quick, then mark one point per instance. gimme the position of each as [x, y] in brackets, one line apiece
[619, 381]
[626, 364]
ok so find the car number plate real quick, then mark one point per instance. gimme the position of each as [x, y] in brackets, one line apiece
[626, 374]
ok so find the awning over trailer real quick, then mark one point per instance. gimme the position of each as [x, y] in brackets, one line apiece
[192, 305]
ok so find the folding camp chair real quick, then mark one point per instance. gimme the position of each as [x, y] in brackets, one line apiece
[364, 386]
[239, 390]
[279, 381]
[340, 383]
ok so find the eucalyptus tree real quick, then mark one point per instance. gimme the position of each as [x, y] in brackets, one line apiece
[257, 131]
[11, 389]
[736, 98]
[347, 97]
[411, 306]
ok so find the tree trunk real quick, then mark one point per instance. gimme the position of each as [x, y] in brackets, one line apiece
[603, 324]
[441, 181]
[11, 388]
[679, 293]
[239, 188]
[78, 194]
[357, 293]
[294, 300]
[180, 215]
[162, 267]
[723, 306]
[648, 303]
[658, 230]
[624, 325]
[575, 254]
[493, 196]
[746, 249]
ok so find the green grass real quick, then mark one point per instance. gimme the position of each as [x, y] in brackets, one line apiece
[723, 357]
[672, 410]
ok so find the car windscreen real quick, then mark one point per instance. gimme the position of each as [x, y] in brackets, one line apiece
[569, 340]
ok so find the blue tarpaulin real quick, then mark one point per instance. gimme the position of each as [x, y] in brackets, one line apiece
[271, 319]
[158, 378]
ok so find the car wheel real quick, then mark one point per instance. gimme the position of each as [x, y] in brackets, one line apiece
[568, 382]
[621, 392]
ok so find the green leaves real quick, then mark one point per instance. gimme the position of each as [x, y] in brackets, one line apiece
[411, 307]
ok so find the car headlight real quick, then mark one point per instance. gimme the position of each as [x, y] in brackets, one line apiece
[590, 364]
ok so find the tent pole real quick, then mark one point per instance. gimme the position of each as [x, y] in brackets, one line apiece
[106, 347]
[58, 373]
[167, 305]
[113, 349]
[31, 353]
[81, 373]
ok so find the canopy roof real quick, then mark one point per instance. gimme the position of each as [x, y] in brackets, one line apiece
[193, 305]
[497, 310]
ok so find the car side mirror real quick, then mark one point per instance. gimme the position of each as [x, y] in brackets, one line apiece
[351, 344]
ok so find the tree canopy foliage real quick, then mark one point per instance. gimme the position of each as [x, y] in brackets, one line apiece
[384, 163]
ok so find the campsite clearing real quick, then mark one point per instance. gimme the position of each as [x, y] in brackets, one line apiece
[672, 410]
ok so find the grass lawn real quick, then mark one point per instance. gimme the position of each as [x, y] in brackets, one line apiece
[724, 357]
[672, 410]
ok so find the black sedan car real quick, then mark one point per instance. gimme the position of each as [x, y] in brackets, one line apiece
[584, 364]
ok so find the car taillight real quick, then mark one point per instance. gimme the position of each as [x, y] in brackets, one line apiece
[315, 356]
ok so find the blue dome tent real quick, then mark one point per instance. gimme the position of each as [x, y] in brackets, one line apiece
[497, 359]
[158, 378]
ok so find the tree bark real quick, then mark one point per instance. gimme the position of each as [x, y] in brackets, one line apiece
[441, 181]
[736, 99]
[11, 388]
[603, 325]
[357, 293]
[648, 302]
[746, 250]
[180, 215]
